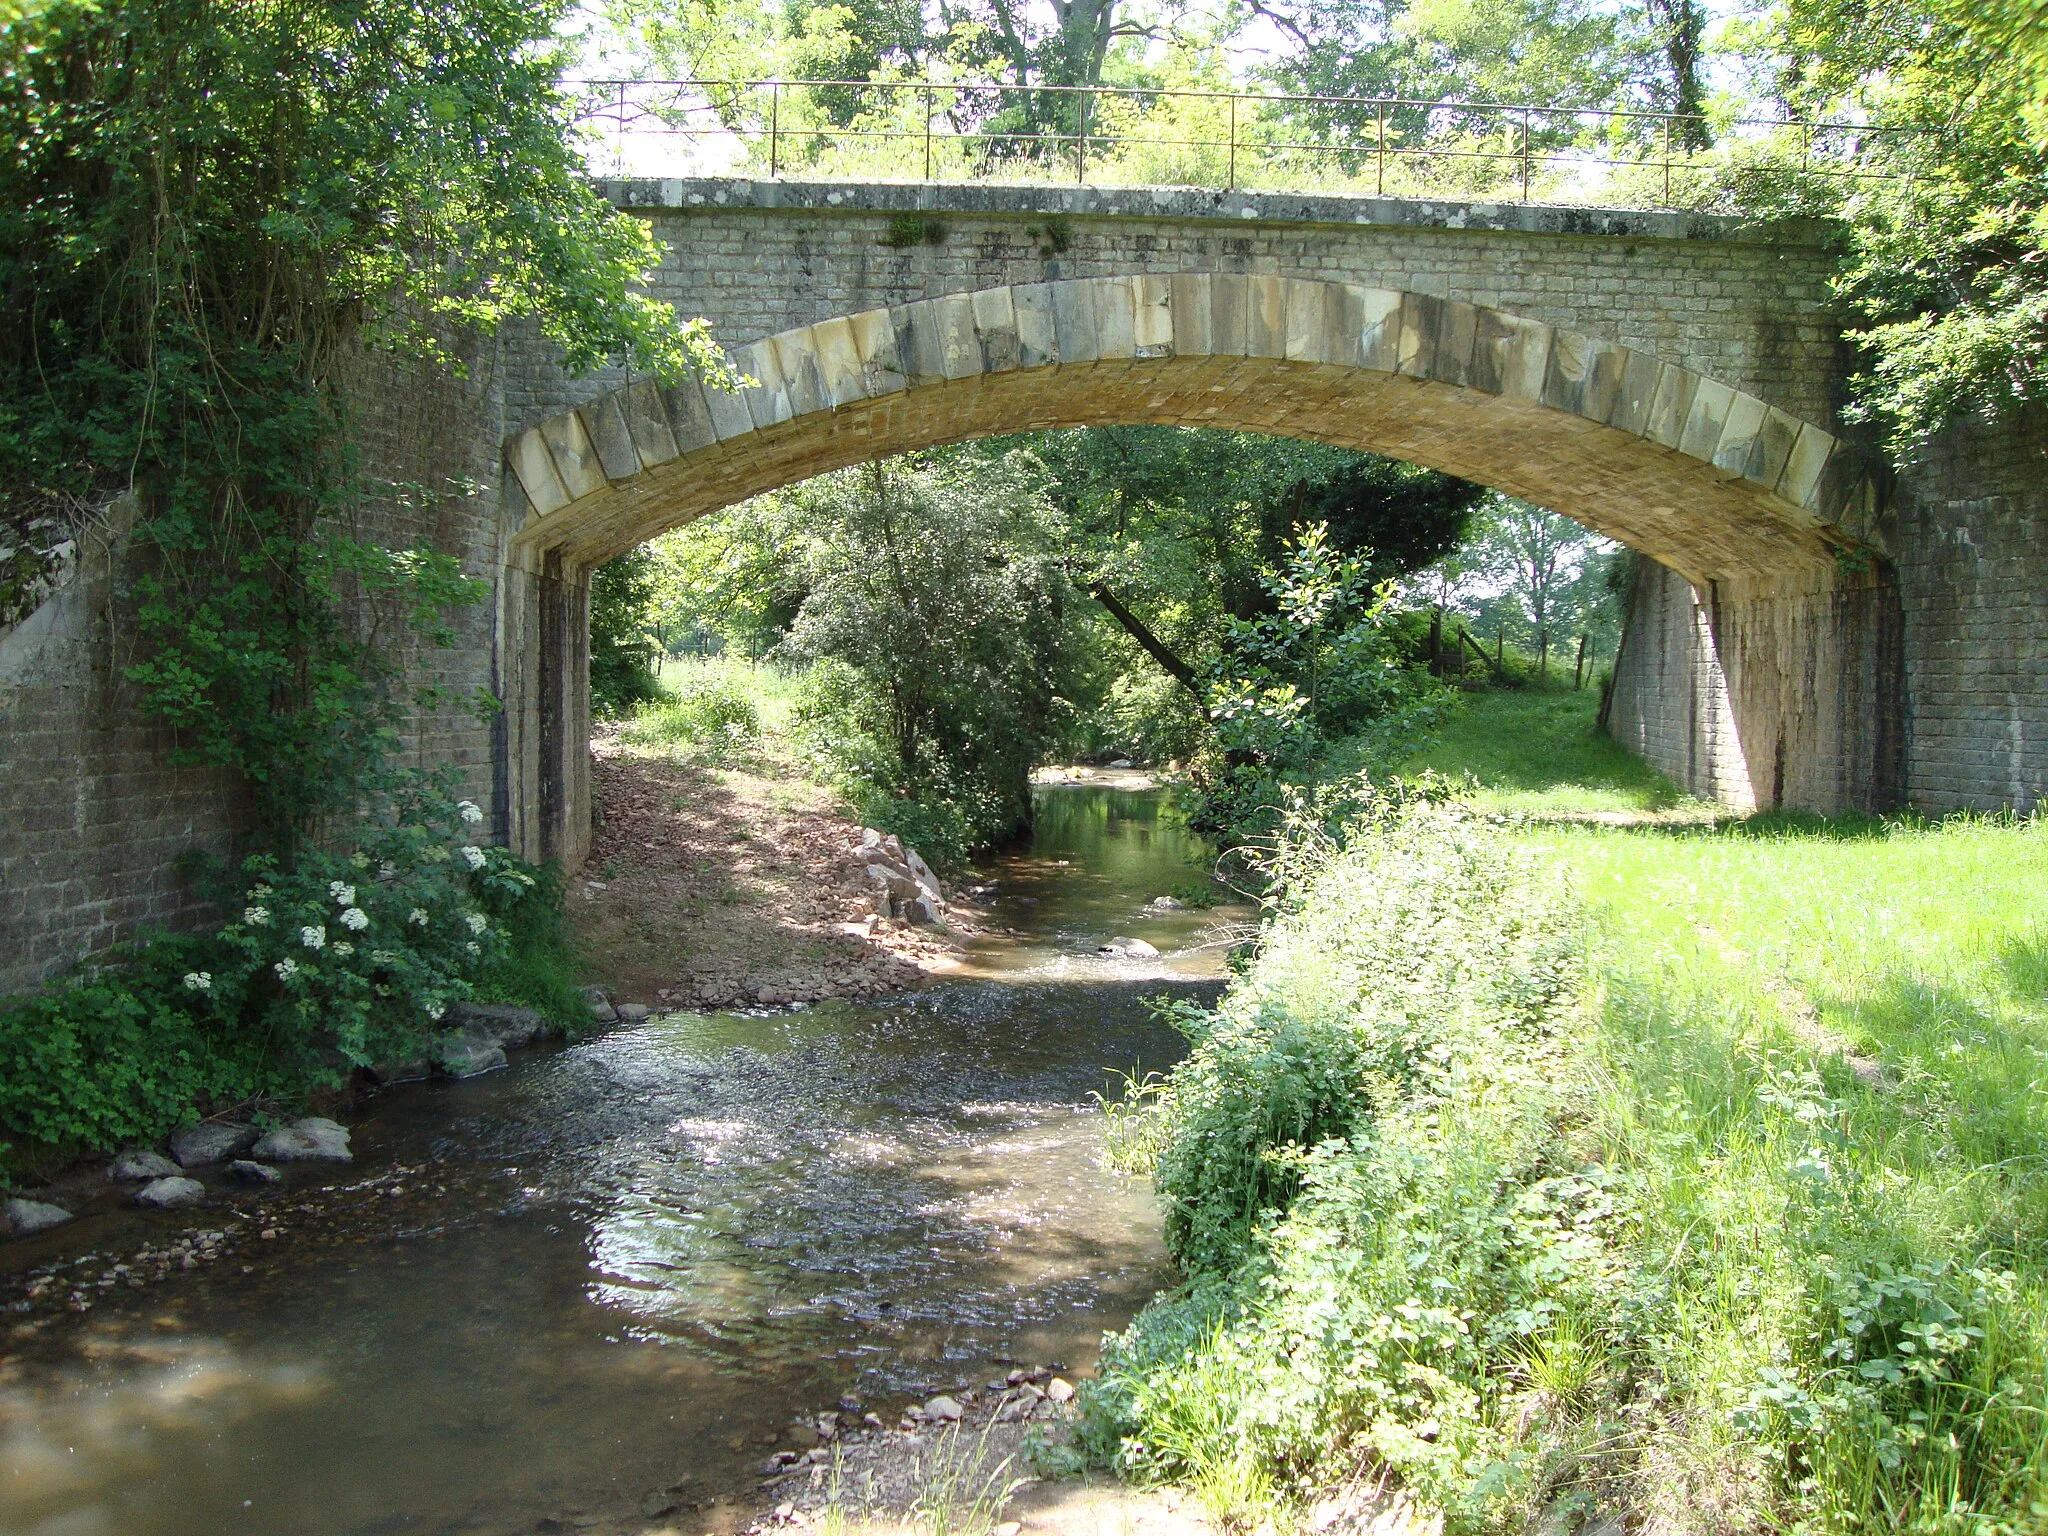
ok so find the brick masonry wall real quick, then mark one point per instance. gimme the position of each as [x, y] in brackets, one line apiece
[1972, 548]
[97, 813]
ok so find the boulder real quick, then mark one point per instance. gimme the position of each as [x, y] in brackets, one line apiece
[921, 870]
[945, 1409]
[512, 1027]
[409, 1071]
[1060, 1390]
[633, 1013]
[1128, 949]
[600, 1005]
[140, 1163]
[468, 1053]
[248, 1172]
[211, 1141]
[170, 1193]
[1168, 904]
[25, 1217]
[312, 1140]
[1121, 762]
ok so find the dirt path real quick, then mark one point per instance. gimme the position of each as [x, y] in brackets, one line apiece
[712, 887]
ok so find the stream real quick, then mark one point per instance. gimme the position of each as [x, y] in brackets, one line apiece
[624, 1265]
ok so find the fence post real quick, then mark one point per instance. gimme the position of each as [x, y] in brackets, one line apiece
[774, 129]
[1230, 176]
[1379, 141]
[1667, 162]
[1525, 154]
[1081, 142]
[927, 133]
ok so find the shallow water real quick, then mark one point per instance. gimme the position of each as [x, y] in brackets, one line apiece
[622, 1266]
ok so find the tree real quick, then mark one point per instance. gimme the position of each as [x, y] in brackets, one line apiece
[1529, 562]
[207, 208]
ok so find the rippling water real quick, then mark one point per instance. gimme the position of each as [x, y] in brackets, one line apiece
[622, 1265]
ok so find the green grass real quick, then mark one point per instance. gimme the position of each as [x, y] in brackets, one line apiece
[1743, 976]
[1808, 1075]
[1541, 751]
[773, 691]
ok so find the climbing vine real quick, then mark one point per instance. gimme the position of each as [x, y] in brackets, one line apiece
[208, 207]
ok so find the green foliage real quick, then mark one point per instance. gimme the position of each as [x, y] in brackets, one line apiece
[338, 961]
[912, 229]
[207, 207]
[711, 713]
[1946, 266]
[623, 651]
[1321, 663]
[1367, 1181]
[935, 622]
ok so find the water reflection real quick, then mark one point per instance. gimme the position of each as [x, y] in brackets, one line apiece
[643, 1253]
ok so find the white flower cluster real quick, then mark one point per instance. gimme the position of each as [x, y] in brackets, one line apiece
[355, 918]
[478, 923]
[313, 938]
[286, 968]
[343, 948]
[435, 1010]
[343, 893]
[471, 813]
[256, 917]
[199, 981]
[418, 915]
[473, 947]
[474, 855]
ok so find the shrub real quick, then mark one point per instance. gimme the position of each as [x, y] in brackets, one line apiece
[1367, 1182]
[709, 713]
[339, 961]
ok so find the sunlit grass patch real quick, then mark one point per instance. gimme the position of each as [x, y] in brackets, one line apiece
[1542, 751]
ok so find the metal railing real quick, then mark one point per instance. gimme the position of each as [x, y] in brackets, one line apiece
[923, 130]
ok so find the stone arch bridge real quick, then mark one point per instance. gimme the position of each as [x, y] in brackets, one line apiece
[1811, 630]
[1669, 381]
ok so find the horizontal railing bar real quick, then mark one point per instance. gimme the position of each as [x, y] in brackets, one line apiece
[1285, 98]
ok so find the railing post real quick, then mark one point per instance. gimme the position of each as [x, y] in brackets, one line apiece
[927, 133]
[1667, 162]
[1379, 142]
[1230, 176]
[619, 137]
[1081, 143]
[774, 129]
[1525, 154]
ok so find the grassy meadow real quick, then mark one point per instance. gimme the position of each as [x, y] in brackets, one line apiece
[1727, 1216]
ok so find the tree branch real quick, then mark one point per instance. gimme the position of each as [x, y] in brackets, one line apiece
[1152, 644]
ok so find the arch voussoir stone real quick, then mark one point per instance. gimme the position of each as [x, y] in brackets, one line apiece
[1712, 481]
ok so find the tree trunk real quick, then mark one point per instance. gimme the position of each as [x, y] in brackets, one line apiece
[1152, 644]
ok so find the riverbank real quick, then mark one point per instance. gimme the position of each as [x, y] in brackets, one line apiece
[1724, 1212]
[734, 882]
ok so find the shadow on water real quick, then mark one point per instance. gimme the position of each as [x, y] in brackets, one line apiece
[621, 1266]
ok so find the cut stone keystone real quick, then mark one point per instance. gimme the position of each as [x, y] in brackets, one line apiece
[210, 1142]
[468, 1052]
[311, 1140]
[139, 1163]
[945, 1408]
[27, 1217]
[253, 1173]
[168, 1194]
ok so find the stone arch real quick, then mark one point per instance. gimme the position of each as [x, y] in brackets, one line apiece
[1753, 507]
[1712, 482]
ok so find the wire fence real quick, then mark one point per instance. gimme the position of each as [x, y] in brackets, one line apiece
[934, 131]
